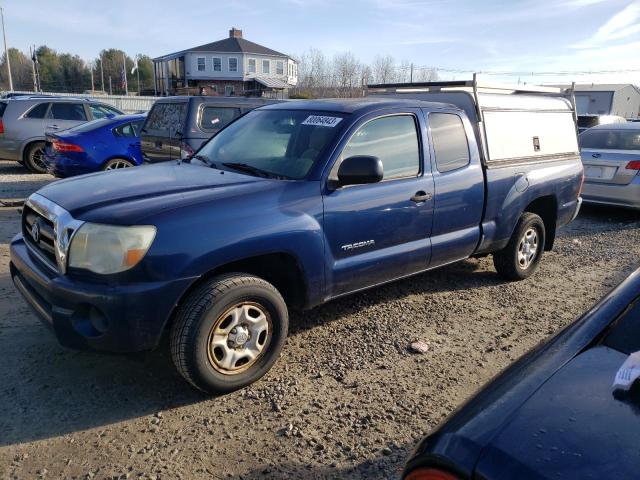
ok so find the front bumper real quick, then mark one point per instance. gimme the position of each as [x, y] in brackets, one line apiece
[627, 196]
[83, 315]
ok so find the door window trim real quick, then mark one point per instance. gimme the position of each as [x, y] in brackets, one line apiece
[333, 171]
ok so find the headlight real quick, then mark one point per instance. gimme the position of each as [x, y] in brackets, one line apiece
[109, 249]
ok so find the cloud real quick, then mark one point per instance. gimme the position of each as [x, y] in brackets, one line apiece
[621, 25]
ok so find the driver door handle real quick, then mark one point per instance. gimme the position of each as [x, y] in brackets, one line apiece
[421, 196]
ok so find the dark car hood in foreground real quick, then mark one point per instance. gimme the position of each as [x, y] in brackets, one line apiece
[133, 193]
[572, 427]
[550, 411]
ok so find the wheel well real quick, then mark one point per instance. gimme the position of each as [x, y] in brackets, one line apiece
[547, 209]
[282, 270]
[26, 146]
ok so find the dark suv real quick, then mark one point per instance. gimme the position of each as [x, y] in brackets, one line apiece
[177, 126]
[24, 121]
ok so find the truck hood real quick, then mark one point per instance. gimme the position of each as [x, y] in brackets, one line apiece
[129, 194]
[572, 427]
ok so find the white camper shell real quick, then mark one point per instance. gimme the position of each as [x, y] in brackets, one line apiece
[513, 124]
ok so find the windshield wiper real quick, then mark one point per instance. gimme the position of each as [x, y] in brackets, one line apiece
[205, 159]
[245, 167]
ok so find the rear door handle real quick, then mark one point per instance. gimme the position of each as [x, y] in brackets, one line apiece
[421, 196]
[596, 155]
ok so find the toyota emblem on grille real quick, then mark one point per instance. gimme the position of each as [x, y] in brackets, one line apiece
[35, 231]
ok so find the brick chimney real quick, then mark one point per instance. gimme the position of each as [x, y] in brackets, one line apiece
[235, 33]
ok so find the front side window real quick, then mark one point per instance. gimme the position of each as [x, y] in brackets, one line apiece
[217, 64]
[280, 68]
[611, 139]
[39, 111]
[266, 66]
[201, 64]
[393, 139]
[251, 66]
[68, 111]
[214, 118]
[233, 64]
[283, 143]
[449, 141]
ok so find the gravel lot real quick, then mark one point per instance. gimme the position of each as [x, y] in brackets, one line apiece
[346, 400]
[17, 182]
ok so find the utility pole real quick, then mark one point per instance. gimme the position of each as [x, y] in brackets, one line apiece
[33, 68]
[124, 73]
[411, 75]
[101, 74]
[110, 89]
[91, 65]
[6, 52]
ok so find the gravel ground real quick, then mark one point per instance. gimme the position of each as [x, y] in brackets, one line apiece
[348, 399]
[17, 182]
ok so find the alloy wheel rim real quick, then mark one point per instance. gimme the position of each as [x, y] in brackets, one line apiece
[37, 158]
[527, 248]
[118, 164]
[239, 337]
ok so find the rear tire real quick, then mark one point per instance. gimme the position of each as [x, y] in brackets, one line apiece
[34, 158]
[229, 332]
[520, 258]
[117, 163]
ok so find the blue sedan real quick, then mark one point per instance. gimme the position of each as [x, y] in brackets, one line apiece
[104, 144]
[555, 413]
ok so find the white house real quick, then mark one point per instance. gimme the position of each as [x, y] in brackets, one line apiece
[233, 66]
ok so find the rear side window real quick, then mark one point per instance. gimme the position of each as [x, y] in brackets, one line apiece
[68, 111]
[166, 118]
[611, 139]
[214, 118]
[101, 111]
[129, 129]
[449, 141]
[3, 106]
[39, 111]
[394, 140]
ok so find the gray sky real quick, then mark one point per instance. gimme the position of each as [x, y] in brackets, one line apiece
[483, 35]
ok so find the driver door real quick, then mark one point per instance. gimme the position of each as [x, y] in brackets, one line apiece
[381, 231]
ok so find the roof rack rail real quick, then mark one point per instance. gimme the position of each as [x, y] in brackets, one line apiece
[465, 84]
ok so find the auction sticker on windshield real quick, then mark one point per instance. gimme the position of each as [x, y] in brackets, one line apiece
[322, 121]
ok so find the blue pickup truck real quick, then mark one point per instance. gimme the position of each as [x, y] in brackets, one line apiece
[290, 206]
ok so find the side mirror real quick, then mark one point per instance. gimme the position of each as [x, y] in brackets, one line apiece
[359, 170]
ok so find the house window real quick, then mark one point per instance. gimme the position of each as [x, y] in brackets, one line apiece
[201, 64]
[252, 65]
[217, 64]
[280, 68]
[233, 64]
[228, 90]
[265, 66]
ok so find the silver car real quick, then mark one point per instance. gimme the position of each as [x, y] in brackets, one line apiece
[611, 159]
[24, 120]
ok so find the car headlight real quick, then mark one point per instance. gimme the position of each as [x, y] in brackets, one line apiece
[109, 249]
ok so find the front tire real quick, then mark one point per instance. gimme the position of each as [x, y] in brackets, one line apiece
[229, 332]
[520, 258]
[34, 158]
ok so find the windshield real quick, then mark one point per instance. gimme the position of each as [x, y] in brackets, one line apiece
[611, 139]
[92, 125]
[280, 143]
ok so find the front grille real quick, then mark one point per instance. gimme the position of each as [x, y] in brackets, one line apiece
[38, 232]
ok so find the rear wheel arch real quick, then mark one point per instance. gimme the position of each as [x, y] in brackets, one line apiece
[546, 207]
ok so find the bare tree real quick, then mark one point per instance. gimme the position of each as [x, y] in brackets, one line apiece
[346, 73]
[425, 74]
[384, 69]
